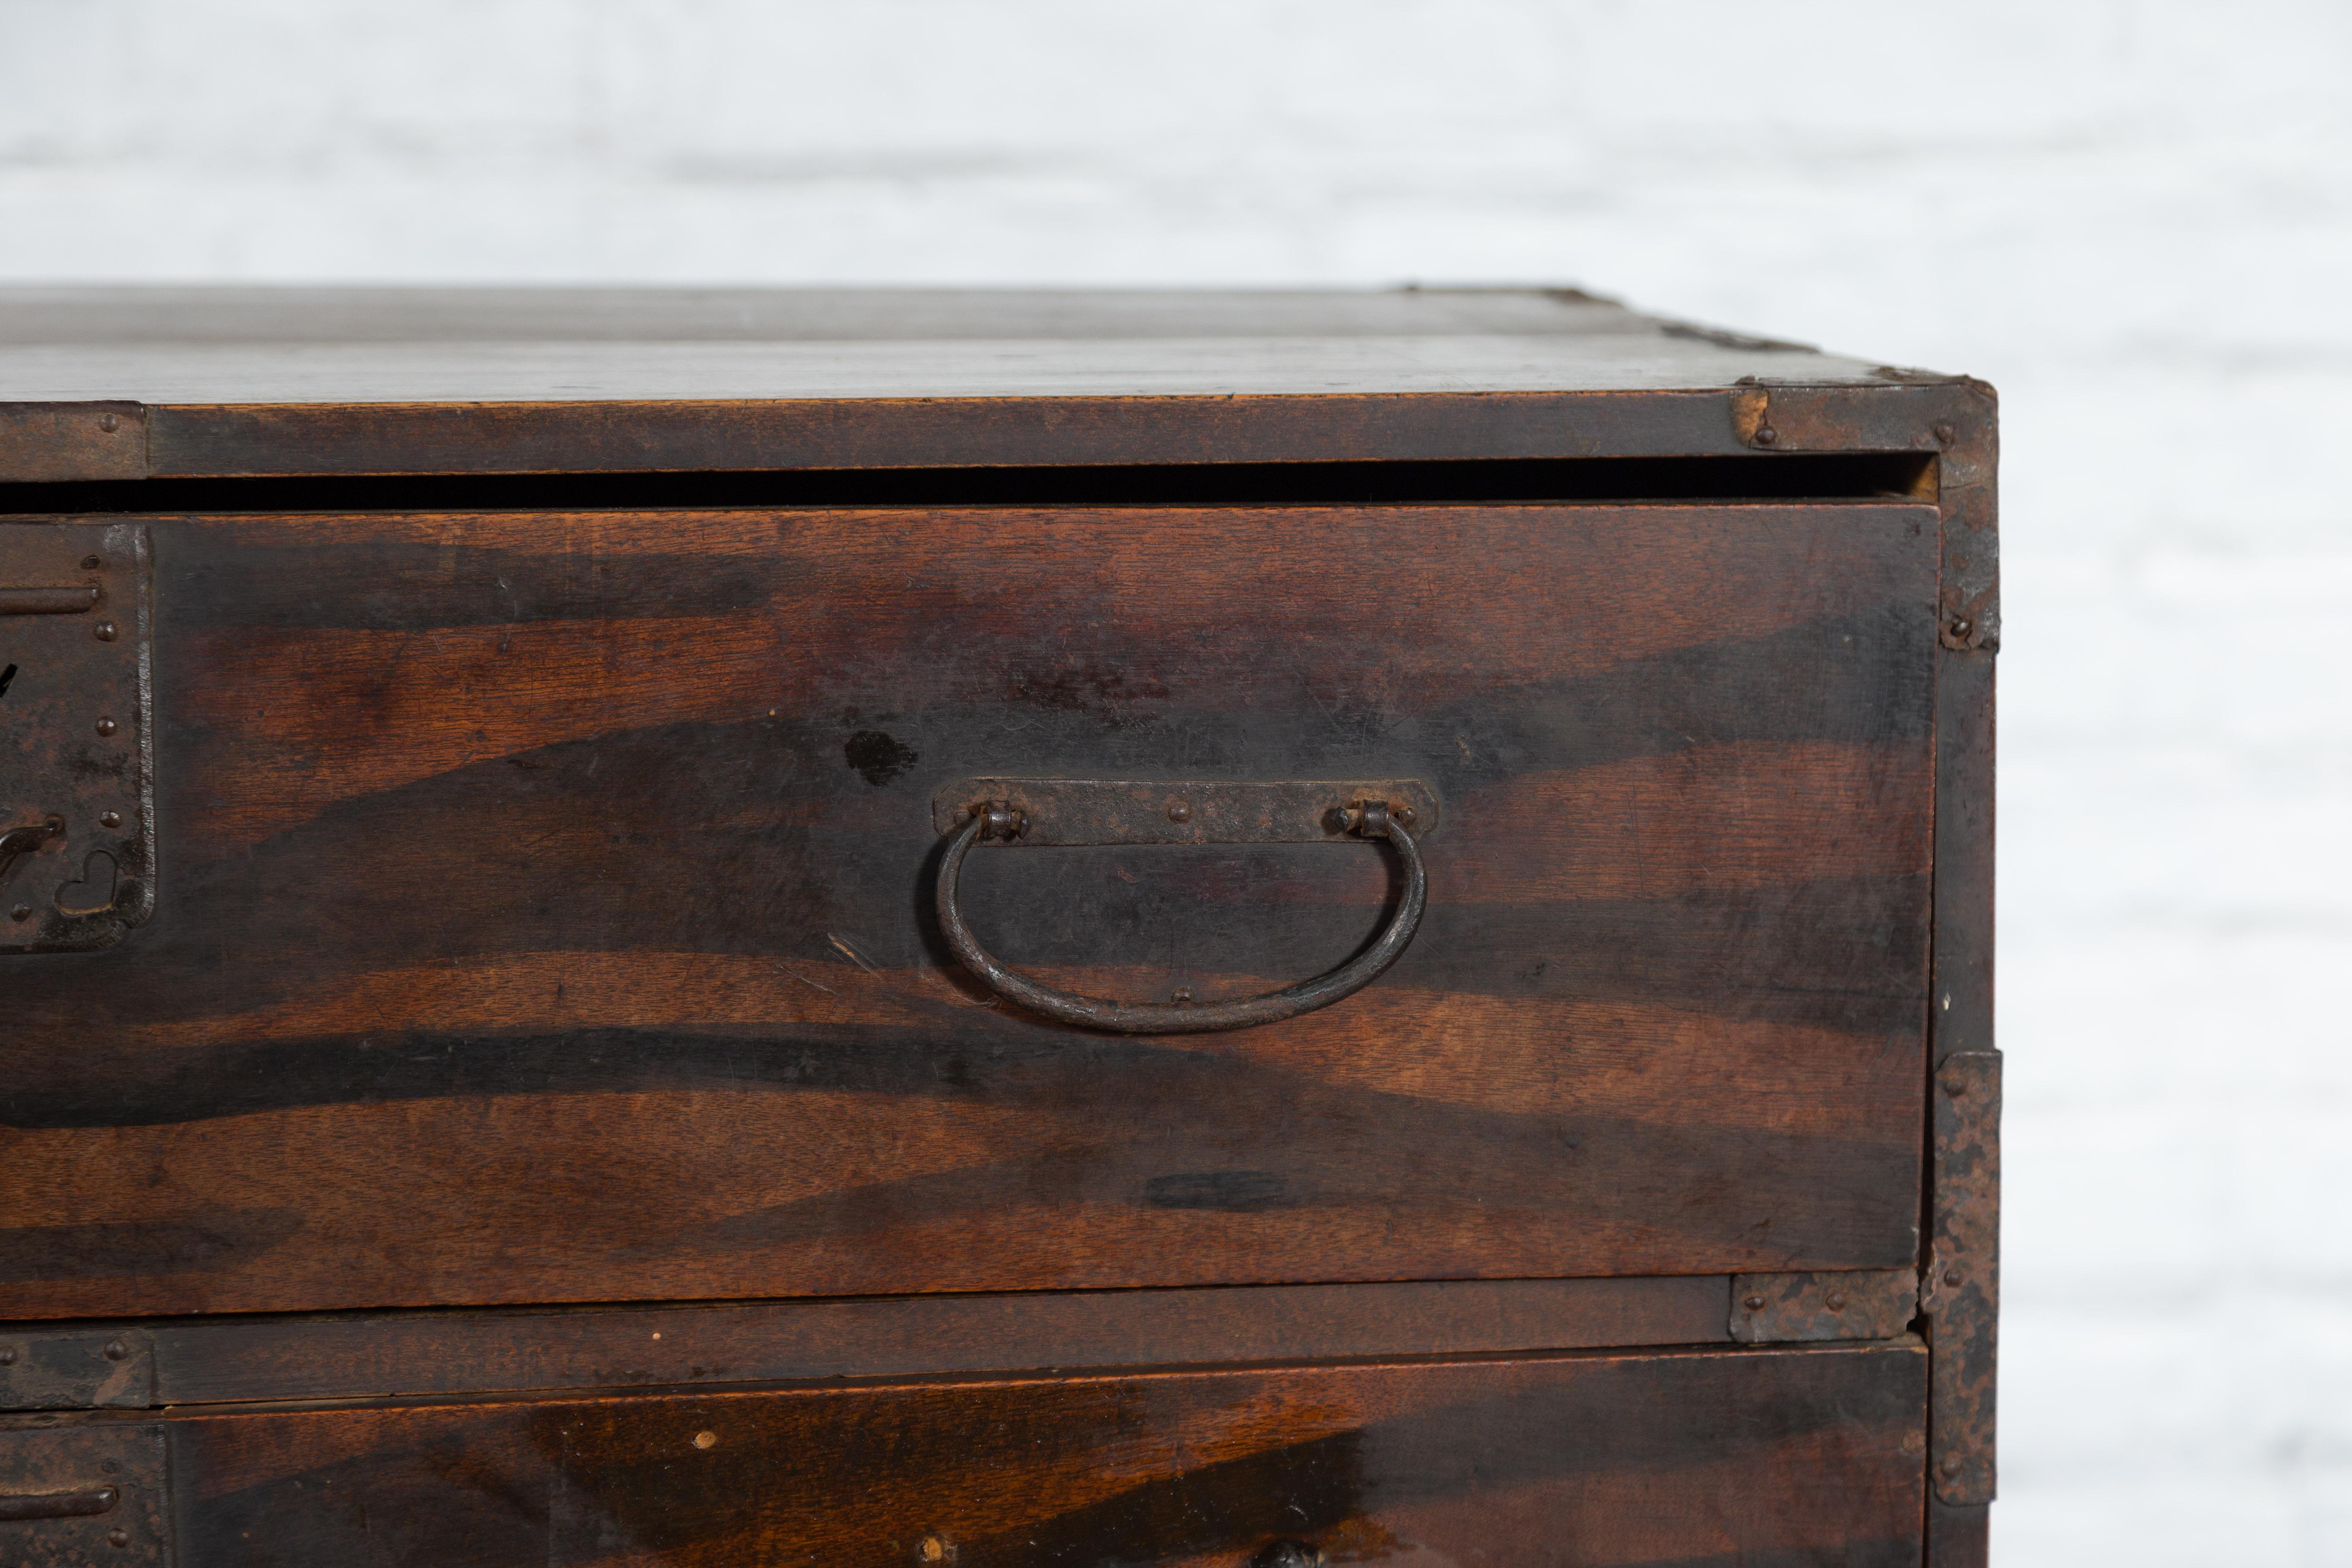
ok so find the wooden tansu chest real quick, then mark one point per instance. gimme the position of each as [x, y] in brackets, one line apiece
[759, 928]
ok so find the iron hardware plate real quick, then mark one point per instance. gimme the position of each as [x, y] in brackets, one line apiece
[1961, 1295]
[91, 1495]
[77, 736]
[78, 1370]
[1840, 1304]
[1186, 811]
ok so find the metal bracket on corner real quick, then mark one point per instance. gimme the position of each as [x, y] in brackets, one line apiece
[76, 1369]
[1960, 1288]
[1835, 1304]
[78, 854]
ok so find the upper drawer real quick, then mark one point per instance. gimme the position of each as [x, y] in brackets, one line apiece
[544, 909]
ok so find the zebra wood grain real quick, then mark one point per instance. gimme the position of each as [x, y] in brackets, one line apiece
[543, 920]
[1752, 1456]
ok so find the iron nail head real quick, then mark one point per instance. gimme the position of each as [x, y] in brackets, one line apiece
[92, 563]
[21, 913]
[1180, 811]
[1944, 431]
[1754, 1303]
[1834, 1301]
[116, 1350]
[108, 631]
[7, 1356]
[109, 423]
[1955, 1085]
[110, 819]
[1952, 1276]
[1950, 1465]
[1766, 435]
[118, 1536]
[107, 726]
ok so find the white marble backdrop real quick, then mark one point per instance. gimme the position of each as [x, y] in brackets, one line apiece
[2135, 217]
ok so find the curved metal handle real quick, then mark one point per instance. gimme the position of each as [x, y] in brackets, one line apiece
[1368, 820]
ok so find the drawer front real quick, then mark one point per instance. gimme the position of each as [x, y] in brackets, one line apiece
[544, 914]
[1793, 1457]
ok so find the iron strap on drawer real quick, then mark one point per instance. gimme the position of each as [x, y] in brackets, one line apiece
[77, 765]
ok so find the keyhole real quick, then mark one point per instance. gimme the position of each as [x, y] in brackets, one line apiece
[94, 894]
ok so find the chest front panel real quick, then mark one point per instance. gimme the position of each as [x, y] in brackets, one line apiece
[544, 909]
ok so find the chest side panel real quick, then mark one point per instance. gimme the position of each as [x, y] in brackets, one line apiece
[544, 910]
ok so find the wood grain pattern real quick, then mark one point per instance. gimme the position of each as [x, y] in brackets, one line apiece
[232, 313]
[1772, 1457]
[543, 915]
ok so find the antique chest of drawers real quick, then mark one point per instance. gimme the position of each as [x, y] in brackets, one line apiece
[754, 928]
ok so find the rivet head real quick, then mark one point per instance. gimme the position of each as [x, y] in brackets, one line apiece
[1834, 1301]
[1955, 1085]
[1961, 628]
[1944, 430]
[1180, 811]
[1405, 815]
[92, 563]
[109, 423]
[705, 1439]
[1183, 996]
[1951, 1277]
[7, 1356]
[108, 631]
[1952, 1464]
[108, 726]
[1754, 1303]
[118, 1536]
[21, 913]
[1766, 435]
[110, 819]
[116, 1350]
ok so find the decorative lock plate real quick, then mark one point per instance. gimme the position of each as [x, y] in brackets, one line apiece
[77, 736]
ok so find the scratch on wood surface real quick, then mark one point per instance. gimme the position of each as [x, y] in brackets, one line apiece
[853, 956]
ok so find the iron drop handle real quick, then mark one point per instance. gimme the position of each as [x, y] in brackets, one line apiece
[998, 820]
[16, 1507]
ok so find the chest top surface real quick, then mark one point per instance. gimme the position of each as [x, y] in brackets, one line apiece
[250, 345]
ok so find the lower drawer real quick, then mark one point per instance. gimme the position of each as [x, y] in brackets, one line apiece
[1753, 1457]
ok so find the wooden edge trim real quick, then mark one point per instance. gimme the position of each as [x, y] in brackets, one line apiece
[1958, 1537]
[512, 1350]
[221, 441]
